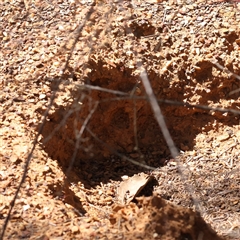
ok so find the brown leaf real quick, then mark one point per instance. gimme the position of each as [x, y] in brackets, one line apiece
[129, 188]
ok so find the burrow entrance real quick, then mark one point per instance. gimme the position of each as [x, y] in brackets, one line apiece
[97, 125]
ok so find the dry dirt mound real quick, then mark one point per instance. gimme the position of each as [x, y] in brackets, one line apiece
[101, 118]
[162, 220]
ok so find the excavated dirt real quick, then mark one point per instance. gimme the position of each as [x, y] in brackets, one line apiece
[181, 223]
[101, 120]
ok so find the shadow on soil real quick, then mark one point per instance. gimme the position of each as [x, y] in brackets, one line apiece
[97, 128]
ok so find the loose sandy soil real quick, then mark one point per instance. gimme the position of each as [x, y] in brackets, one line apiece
[76, 67]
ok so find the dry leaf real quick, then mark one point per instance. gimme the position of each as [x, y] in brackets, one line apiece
[129, 188]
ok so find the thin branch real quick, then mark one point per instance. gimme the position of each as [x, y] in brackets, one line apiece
[215, 62]
[78, 137]
[162, 124]
[157, 112]
[53, 96]
[117, 153]
[128, 96]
